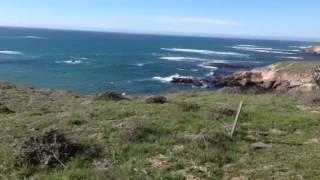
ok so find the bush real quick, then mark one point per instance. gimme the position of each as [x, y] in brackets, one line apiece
[136, 131]
[312, 99]
[111, 96]
[188, 106]
[219, 112]
[52, 149]
[156, 100]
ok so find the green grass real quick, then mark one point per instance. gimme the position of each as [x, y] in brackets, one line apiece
[186, 137]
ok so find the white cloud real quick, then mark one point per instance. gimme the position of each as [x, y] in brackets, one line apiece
[204, 21]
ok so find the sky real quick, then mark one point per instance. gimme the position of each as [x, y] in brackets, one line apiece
[269, 18]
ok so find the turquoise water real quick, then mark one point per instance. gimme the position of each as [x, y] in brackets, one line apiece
[92, 62]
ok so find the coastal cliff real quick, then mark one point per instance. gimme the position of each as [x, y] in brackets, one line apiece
[287, 76]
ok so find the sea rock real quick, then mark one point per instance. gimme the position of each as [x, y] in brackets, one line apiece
[187, 80]
[156, 100]
[315, 50]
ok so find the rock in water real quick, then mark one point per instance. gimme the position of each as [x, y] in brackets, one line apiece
[313, 50]
[186, 80]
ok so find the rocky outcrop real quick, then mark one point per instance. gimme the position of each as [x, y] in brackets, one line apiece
[315, 50]
[280, 77]
[187, 80]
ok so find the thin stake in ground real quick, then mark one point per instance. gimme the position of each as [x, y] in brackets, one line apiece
[236, 120]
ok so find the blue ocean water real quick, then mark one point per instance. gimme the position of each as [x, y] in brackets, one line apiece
[93, 62]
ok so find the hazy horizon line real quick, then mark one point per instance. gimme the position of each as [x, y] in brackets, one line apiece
[178, 34]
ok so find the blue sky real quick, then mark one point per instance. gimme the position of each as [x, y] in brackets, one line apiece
[274, 18]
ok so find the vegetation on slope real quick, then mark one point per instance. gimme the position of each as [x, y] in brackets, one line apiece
[187, 137]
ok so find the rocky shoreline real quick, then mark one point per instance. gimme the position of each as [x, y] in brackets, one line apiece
[315, 50]
[289, 76]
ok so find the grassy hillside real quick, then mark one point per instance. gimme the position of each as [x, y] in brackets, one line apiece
[278, 137]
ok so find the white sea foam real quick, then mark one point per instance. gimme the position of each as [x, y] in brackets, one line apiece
[210, 74]
[301, 47]
[11, 52]
[70, 62]
[293, 57]
[168, 78]
[206, 66]
[182, 69]
[139, 64]
[34, 37]
[264, 50]
[206, 52]
[174, 58]
[244, 45]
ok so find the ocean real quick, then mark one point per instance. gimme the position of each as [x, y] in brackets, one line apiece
[95, 62]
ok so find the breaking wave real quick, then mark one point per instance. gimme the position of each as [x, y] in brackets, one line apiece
[293, 57]
[168, 78]
[206, 52]
[70, 62]
[182, 59]
[34, 37]
[11, 52]
[73, 61]
[260, 49]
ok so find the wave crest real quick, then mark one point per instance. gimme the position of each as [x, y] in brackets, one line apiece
[173, 58]
[253, 48]
[206, 52]
[168, 78]
[11, 52]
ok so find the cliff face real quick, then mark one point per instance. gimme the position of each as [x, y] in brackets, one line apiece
[313, 50]
[284, 77]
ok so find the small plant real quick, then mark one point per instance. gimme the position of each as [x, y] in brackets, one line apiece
[188, 106]
[111, 96]
[312, 99]
[137, 131]
[219, 112]
[213, 146]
